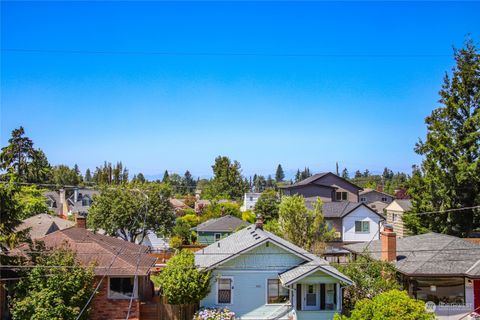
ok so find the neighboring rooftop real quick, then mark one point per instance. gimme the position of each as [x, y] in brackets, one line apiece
[378, 206]
[429, 254]
[405, 204]
[226, 223]
[42, 224]
[315, 177]
[368, 190]
[102, 250]
[336, 209]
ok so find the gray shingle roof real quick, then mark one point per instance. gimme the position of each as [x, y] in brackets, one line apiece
[368, 190]
[42, 224]
[337, 209]
[226, 223]
[315, 177]
[430, 254]
[250, 237]
[405, 204]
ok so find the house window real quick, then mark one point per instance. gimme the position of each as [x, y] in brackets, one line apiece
[224, 290]
[276, 292]
[446, 290]
[384, 199]
[121, 288]
[362, 226]
[363, 199]
[340, 196]
[251, 198]
[86, 201]
[217, 236]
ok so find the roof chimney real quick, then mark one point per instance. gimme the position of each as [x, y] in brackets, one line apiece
[81, 221]
[388, 240]
[259, 223]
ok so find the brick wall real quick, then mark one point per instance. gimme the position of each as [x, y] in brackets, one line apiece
[103, 308]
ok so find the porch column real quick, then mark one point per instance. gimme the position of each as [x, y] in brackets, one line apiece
[339, 297]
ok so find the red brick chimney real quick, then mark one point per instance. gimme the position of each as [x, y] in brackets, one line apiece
[388, 240]
[81, 221]
[259, 223]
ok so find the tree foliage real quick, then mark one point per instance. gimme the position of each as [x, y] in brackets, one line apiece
[267, 204]
[227, 182]
[449, 176]
[279, 174]
[121, 210]
[53, 293]
[19, 157]
[389, 305]
[181, 282]
[63, 175]
[31, 200]
[11, 215]
[304, 227]
[370, 277]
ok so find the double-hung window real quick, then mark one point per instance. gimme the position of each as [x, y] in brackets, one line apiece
[362, 226]
[224, 290]
[341, 196]
[276, 293]
[217, 236]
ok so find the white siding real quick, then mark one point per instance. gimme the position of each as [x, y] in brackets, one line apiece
[361, 214]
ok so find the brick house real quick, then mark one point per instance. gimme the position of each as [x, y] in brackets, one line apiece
[118, 285]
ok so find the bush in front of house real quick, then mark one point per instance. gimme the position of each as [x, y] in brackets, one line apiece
[181, 282]
[389, 305]
[214, 314]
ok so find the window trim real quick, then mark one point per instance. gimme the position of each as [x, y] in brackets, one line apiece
[231, 291]
[279, 285]
[362, 222]
[135, 292]
[341, 193]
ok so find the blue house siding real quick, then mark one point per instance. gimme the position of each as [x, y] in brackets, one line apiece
[249, 273]
[265, 257]
[209, 237]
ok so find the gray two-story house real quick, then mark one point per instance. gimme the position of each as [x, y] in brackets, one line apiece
[327, 186]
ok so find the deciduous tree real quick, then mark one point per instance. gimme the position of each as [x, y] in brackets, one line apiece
[267, 204]
[120, 210]
[57, 289]
[181, 282]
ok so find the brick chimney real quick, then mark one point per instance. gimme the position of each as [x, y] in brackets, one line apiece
[259, 223]
[81, 221]
[388, 240]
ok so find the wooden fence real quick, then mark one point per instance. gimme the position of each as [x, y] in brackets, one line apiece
[158, 309]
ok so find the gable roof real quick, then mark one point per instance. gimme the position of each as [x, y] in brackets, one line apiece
[251, 237]
[405, 204]
[378, 206]
[339, 209]
[42, 224]
[315, 177]
[368, 190]
[101, 249]
[429, 254]
[226, 223]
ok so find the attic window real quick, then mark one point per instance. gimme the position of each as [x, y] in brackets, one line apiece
[341, 196]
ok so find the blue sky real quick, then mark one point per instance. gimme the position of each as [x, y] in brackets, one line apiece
[162, 85]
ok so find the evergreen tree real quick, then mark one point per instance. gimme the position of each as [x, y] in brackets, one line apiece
[227, 180]
[22, 159]
[345, 174]
[279, 174]
[88, 176]
[140, 178]
[165, 177]
[449, 176]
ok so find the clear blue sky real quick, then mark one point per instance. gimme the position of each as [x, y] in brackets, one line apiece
[301, 84]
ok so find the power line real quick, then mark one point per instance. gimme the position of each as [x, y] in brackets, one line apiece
[225, 54]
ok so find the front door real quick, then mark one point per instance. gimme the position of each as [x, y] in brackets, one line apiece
[311, 297]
